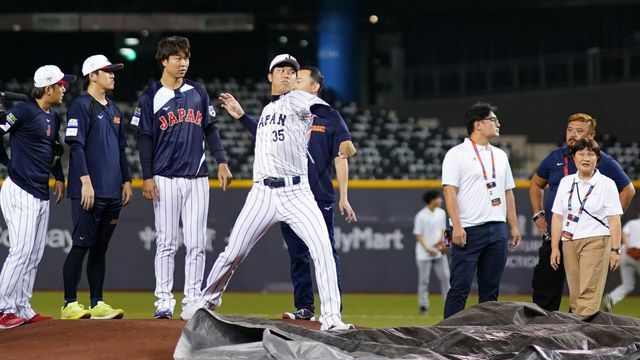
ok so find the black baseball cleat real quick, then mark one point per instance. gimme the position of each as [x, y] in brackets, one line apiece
[301, 314]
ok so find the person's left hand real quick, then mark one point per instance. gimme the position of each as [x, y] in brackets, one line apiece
[614, 261]
[224, 176]
[554, 259]
[345, 207]
[58, 191]
[515, 238]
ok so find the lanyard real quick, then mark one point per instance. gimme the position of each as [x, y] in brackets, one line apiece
[493, 163]
[566, 165]
[584, 201]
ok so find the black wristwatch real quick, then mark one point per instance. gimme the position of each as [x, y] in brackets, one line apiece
[617, 250]
[537, 215]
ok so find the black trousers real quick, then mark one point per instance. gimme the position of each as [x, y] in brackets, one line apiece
[548, 284]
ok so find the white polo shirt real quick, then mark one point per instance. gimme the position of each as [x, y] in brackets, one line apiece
[462, 169]
[602, 202]
[632, 229]
[429, 224]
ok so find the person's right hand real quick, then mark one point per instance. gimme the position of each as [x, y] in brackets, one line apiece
[149, 189]
[442, 248]
[459, 236]
[555, 258]
[346, 149]
[232, 106]
[541, 224]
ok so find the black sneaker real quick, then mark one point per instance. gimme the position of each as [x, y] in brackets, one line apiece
[301, 314]
[423, 310]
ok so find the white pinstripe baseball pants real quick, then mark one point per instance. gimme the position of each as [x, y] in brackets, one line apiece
[185, 199]
[27, 219]
[295, 205]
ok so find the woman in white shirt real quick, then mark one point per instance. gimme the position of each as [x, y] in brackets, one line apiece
[586, 218]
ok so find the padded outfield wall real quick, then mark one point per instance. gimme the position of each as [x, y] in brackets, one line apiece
[377, 252]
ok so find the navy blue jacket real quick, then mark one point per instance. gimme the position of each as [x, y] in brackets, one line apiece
[98, 140]
[32, 133]
[176, 122]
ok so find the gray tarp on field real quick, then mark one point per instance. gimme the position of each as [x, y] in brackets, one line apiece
[492, 330]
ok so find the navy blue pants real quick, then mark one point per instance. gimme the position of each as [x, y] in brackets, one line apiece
[547, 283]
[94, 227]
[301, 260]
[92, 231]
[484, 255]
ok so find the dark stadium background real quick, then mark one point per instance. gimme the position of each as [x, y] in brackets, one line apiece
[423, 63]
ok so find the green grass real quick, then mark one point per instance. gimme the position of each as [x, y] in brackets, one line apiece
[370, 310]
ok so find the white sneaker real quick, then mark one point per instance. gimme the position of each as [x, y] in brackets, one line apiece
[190, 310]
[341, 327]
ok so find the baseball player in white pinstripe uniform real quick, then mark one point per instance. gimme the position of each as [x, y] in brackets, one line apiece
[174, 120]
[33, 127]
[281, 192]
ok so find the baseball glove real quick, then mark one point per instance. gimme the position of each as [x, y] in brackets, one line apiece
[634, 252]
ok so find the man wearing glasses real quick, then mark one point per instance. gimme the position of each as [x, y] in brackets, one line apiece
[548, 284]
[477, 185]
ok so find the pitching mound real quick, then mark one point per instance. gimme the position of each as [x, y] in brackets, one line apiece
[92, 339]
[99, 339]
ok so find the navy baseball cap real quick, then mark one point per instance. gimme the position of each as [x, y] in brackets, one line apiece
[99, 62]
[50, 74]
[284, 59]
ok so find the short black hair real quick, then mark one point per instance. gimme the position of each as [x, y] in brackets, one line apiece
[172, 45]
[429, 196]
[87, 79]
[586, 143]
[316, 75]
[38, 92]
[478, 111]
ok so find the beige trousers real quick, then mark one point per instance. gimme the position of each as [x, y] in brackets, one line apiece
[586, 262]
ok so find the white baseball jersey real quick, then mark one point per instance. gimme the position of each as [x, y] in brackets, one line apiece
[282, 136]
[632, 229]
[281, 152]
[430, 225]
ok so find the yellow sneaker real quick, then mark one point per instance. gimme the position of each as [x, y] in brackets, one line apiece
[74, 311]
[104, 311]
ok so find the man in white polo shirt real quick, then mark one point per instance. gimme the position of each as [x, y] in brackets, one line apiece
[477, 185]
[630, 264]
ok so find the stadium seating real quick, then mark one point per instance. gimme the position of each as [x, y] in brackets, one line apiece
[389, 147]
